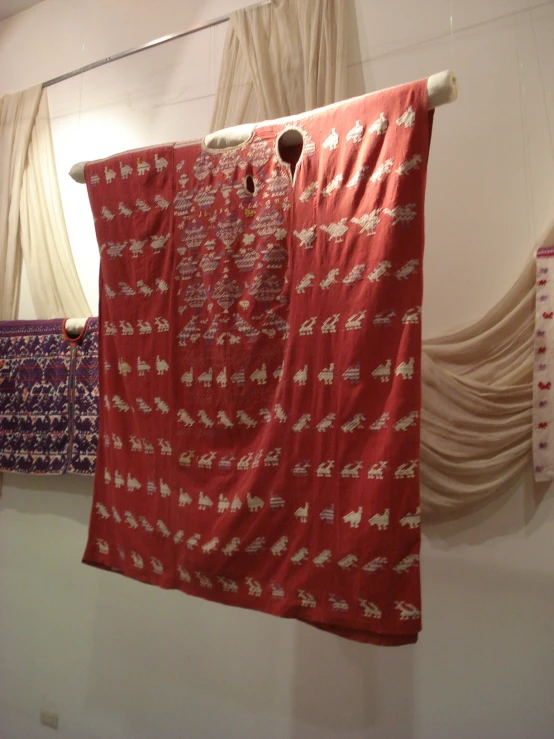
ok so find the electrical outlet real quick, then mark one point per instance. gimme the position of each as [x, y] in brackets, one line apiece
[49, 718]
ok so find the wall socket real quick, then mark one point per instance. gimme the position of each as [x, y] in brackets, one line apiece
[49, 718]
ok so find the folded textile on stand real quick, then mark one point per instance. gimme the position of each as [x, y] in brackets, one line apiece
[48, 397]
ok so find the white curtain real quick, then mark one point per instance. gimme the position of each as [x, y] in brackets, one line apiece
[32, 225]
[281, 59]
[476, 382]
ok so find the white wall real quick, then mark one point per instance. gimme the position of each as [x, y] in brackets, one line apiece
[122, 660]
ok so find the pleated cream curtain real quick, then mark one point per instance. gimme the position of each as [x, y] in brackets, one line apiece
[281, 59]
[32, 225]
[477, 382]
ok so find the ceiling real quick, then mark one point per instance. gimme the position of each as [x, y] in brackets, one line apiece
[11, 7]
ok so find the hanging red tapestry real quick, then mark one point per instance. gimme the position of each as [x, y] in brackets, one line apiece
[260, 346]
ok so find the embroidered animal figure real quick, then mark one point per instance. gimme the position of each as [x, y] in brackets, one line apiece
[381, 520]
[330, 279]
[110, 329]
[381, 270]
[301, 468]
[245, 419]
[406, 470]
[306, 237]
[356, 422]
[211, 545]
[302, 423]
[142, 206]
[338, 604]
[142, 166]
[384, 318]
[221, 379]
[305, 282]
[161, 365]
[272, 458]
[158, 242]
[102, 511]
[407, 269]
[206, 460]
[206, 378]
[300, 556]
[307, 600]
[223, 420]
[144, 289]
[354, 323]
[380, 125]
[348, 562]
[254, 587]
[144, 327]
[409, 164]
[336, 231]
[161, 163]
[126, 328]
[412, 315]
[411, 520]
[307, 328]
[254, 503]
[401, 214]
[328, 514]
[301, 377]
[407, 610]
[407, 421]
[184, 499]
[327, 374]
[332, 186]
[138, 562]
[162, 324]
[278, 374]
[205, 419]
[352, 374]
[161, 202]
[280, 414]
[188, 377]
[332, 141]
[256, 546]
[125, 170]
[324, 469]
[116, 250]
[231, 547]
[382, 372]
[309, 192]
[355, 135]
[133, 483]
[260, 375]
[124, 210]
[244, 461]
[407, 563]
[120, 404]
[238, 378]
[161, 405]
[223, 504]
[405, 370]
[143, 406]
[142, 367]
[381, 422]
[329, 325]
[370, 609]
[276, 502]
[377, 470]
[353, 518]
[184, 417]
[109, 174]
[280, 546]
[265, 413]
[185, 460]
[165, 446]
[407, 119]
[229, 586]
[123, 368]
[322, 558]
[204, 581]
[382, 171]
[375, 564]
[326, 423]
[161, 286]
[136, 444]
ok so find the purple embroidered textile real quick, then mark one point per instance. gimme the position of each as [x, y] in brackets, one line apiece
[48, 397]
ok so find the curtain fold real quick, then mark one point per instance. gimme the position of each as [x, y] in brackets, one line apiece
[55, 286]
[32, 225]
[17, 115]
[281, 59]
[476, 424]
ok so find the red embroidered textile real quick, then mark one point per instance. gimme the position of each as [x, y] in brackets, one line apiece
[260, 349]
